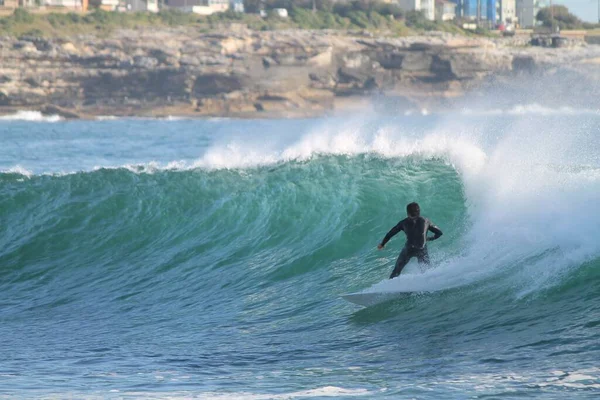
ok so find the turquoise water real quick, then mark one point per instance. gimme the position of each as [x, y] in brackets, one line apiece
[183, 258]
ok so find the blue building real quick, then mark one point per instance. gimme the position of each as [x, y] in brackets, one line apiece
[469, 9]
[491, 11]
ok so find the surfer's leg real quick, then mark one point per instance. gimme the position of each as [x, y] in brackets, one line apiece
[423, 256]
[401, 262]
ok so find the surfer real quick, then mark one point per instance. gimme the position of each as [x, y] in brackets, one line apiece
[415, 227]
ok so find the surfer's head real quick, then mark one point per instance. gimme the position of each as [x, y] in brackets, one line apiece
[413, 210]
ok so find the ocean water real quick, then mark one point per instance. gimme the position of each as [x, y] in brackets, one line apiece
[206, 258]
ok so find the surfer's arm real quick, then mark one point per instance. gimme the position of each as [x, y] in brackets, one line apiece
[437, 232]
[391, 234]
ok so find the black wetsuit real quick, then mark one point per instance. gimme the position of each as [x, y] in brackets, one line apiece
[416, 241]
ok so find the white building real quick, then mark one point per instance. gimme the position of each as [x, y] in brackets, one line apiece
[281, 12]
[237, 5]
[526, 11]
[445, 10]
[425, 6]
[202, 7]
[141, 5]
[109, 5]
[507, 11]
[73, 4]
[27, 3]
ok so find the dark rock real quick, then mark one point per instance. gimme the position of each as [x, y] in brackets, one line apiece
[33, 82]
[551, 40]
[21, 45]
[367, 43]
[323, 80]
[213, 84]
[442, 69]
[272, 97]
[391, 60]
[42, 45]
[160, 55]
[50, 109]
[4, 99]
[370, 84]
[523, 64]
[347, 75]
[101, 61]
[420, 46]
[148, 85]
[559, 41]
[268, 62]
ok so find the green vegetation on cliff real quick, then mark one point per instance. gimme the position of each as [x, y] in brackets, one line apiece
[561, 17]
[373, 17]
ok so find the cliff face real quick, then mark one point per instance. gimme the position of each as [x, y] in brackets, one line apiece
[244, 73]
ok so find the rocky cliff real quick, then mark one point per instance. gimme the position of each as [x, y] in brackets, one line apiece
[245, 73]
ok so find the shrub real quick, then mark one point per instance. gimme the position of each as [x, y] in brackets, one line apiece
[20, 15]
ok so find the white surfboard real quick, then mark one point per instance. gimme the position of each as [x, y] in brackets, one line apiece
[367, 299]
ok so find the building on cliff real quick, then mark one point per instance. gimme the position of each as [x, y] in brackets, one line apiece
[202, 7]
[237, 5]
[79, 5]
[109, 5]
[445, 10]
[480, 10]
[527, 11]
[427, 7]
[139, 5]
[507, 11]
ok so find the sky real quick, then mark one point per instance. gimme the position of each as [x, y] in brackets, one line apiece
[587, 10]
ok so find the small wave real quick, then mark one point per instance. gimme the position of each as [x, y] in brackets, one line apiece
[107, 118]
[169, 118]
[530, 109]
[173, 118]
[31, 116]
[326, 391]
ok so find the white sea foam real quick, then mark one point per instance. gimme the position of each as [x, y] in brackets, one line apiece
[32, 116]
[350, 140]
[167, 118]
[584, 379]
[530, 109]
[107, 118]
[326, 391]
[17, 169]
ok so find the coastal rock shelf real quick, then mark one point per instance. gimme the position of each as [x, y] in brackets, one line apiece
[253, 74]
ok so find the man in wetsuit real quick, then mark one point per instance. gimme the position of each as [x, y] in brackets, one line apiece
[415, 227]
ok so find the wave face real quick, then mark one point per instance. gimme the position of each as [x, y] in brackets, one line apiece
[176, 258]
